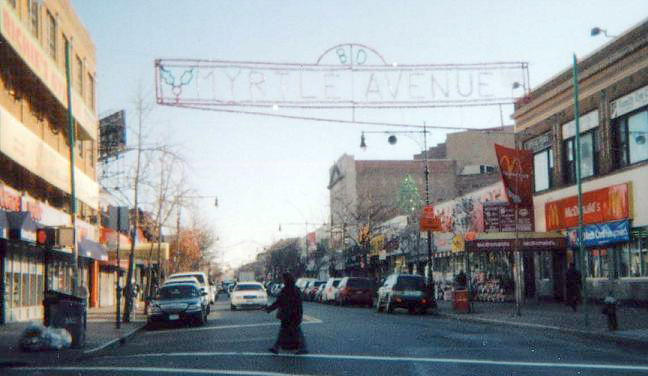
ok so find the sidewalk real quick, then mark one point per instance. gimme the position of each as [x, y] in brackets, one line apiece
[633, 326]
[100, 333]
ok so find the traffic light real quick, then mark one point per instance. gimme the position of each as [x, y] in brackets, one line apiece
[46, 237]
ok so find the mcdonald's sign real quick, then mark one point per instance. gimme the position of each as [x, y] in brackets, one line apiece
[516, 167]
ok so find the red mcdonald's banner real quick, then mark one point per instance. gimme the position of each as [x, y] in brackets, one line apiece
[516, 167]
[603, 205]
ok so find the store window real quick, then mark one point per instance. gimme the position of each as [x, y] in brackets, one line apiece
[542, 170]
[633, 259]
[631, 138]
[51, 36]
[597, 263]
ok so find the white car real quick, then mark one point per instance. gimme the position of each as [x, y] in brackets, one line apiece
[202, 280]
[330, 289]
[248, 295]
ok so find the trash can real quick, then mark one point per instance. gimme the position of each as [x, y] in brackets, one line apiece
[67, 312]
[460, 302]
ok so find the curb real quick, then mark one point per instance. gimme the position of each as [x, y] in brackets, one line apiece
[110, 344]
[619, 340]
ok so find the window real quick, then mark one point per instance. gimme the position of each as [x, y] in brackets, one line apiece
[633, 259]
[597, 263]
[589, 155]
[542, 170]
[34, 21]
[91, 91]
[631, 136]
[51, 35]
[79, 72]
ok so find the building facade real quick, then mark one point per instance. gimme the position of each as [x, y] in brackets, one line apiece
[613, 122]
[35, 159]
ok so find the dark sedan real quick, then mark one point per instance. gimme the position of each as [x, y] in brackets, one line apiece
[178, 303]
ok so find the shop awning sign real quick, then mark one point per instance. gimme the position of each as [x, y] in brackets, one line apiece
[523, 245]
[602, 234]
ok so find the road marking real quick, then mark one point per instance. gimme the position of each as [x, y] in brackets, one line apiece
[600, 366]
[111, 342]
[307, 320]
[156, 370]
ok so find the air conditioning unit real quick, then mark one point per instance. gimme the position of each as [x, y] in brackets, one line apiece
[65, 237]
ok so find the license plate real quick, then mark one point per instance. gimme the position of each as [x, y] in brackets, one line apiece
[249, 297]
[359, 292]
[174, 317]
[412, 293]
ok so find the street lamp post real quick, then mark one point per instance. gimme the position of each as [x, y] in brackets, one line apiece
[426, 172]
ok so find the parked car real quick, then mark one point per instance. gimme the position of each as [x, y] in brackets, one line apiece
[301, 283]
[318, 294]
[248, 295]
[311, 290]
[404, 291]
[355, 290]
[178, 302]
[202, 279]
[328, 295]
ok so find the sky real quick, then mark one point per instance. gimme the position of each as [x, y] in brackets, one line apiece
[270, 172]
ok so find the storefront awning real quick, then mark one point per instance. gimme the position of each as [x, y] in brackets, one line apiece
[526, 242]
[21, 221]
[143, 251]
[93, 250]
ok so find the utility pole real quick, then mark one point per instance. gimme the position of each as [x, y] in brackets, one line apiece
[71, 141]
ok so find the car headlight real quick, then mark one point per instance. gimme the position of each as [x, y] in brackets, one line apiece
[194, 307]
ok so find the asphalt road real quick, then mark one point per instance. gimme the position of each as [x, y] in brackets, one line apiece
[355, 341]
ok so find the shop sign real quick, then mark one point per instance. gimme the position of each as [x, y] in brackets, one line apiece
[586, 122]
[524, 245]
[601, 234]
[516, 167]
[33, 206]
[603, 205]
[311, 241]
[458, 243]
[639, 232]
[9, 198]
[629, 103]
[442, 241]
[539, 143]
[429, 221]
[500, 217]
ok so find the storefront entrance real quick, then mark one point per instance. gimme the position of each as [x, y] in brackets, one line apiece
[529, 276]
[558, 275]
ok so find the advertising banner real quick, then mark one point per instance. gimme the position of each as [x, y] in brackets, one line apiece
[311, 242]
[601, 234]
[603, 205]
[516, 167]
[429, 221]
[500, 217]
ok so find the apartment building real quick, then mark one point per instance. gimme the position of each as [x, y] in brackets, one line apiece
[35, 183]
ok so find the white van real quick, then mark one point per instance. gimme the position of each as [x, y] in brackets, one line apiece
[202, 280]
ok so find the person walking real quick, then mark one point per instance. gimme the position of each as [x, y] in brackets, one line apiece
[573, 281]
[290, 312]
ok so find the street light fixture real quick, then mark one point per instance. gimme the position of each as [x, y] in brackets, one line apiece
[597, 30]
[392, 141]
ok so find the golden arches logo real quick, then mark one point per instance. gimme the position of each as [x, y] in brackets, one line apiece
[552, 215]
[510, 164]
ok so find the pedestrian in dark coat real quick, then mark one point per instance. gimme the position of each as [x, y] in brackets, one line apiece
[290, 312]
[573, 281]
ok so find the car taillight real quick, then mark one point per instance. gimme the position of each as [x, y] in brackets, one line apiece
[424, 301]
[344, 291]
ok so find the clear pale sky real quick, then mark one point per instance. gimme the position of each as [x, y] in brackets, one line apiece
[267, 171]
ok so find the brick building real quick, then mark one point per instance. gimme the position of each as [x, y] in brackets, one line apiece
[613, 121]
